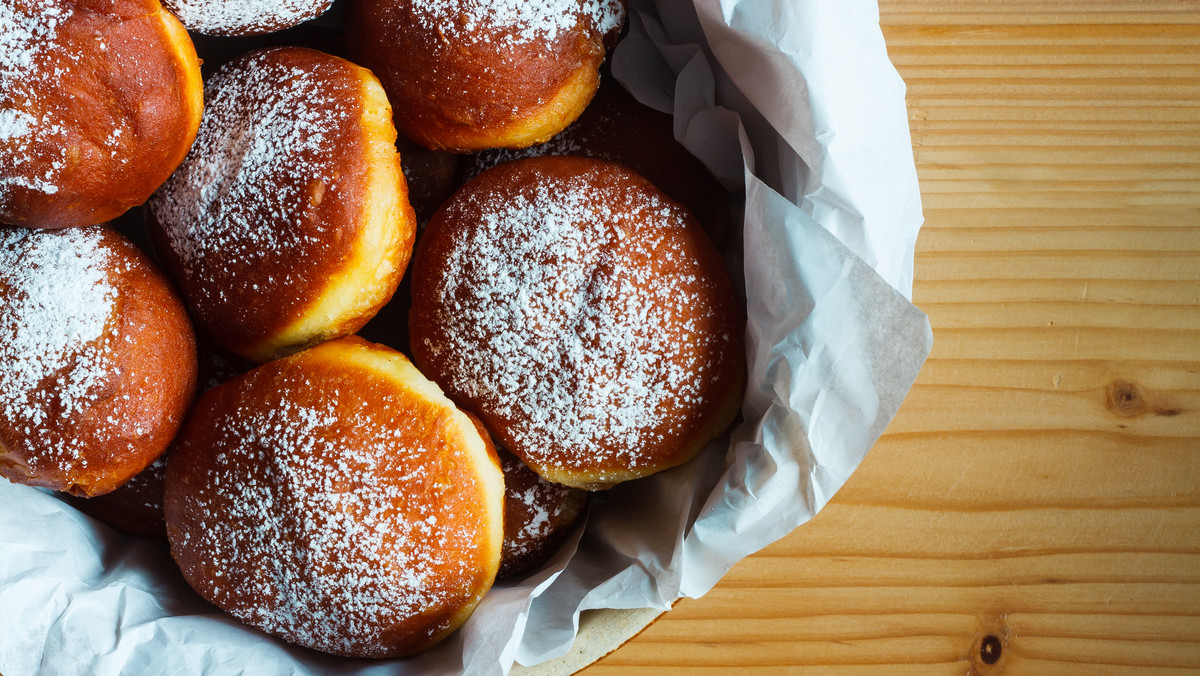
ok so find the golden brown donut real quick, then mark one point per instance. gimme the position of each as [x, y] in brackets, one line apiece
[244, 17]
[618, 128]
[538, 516]
[338, 500]
[99, 359]
[99, 102]
[470, 74]
[288, 223]
[583, 315]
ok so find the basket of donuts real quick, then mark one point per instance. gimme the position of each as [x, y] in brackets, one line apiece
[395, 336]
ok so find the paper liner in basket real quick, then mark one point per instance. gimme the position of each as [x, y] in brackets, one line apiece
[796, 102]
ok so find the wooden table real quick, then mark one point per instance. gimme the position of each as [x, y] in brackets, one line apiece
[1037, 499]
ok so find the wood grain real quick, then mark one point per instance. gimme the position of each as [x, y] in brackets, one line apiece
[1041, 484]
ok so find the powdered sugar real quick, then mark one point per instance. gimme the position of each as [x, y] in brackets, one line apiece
[571, 310]
[239, 17]
[32, 142]
[564, 143]
[331, 518]
[536, 511]
[516, 21]
[59, 303]
[15, 124]
[242, 198]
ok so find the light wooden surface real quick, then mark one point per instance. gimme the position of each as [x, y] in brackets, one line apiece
[1041, 484]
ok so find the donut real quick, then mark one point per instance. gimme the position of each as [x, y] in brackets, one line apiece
[99, 359]
[136, 507]
[217, 365]
[244, 17]
[538, 516]
[618, 128]
[99, 102]
[465, 75]
[338, 500]
[432, 175]
[288, 223]
[582, 315]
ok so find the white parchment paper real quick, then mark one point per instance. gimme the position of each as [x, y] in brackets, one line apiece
[792, 101]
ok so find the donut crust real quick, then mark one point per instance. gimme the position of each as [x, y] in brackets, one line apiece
[112, 105]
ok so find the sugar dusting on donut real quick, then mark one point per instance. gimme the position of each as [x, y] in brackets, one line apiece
[545, 507]
[546, 321]
[538, 526]
[56, 361]
[257, 163]
[147, 484]
[236, 17]
[29, 135]
[560, 144]
[516, 21]
[335, 542]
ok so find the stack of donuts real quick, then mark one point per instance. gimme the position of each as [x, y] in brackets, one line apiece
[351, 375]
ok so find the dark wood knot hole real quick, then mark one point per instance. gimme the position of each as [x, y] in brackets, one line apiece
[990, 650]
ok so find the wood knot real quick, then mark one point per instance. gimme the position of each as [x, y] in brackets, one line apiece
[1125, 398]
[990, 650]
[1128, 399]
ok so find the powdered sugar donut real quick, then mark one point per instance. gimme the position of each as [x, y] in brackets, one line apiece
[338, 500]
[99, 359]
[471, 74]
[244, 17]
[585, 317]
[99, 102]
[289, 221]
[538, 516]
